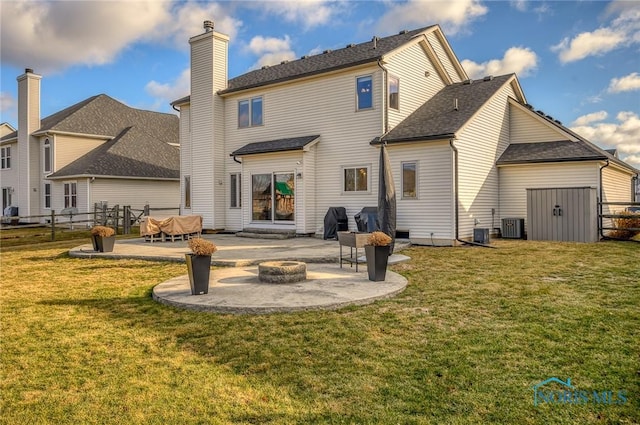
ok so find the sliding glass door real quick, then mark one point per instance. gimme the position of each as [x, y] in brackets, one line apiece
[273, 197]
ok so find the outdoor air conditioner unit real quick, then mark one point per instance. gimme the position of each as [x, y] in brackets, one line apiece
[513, 228]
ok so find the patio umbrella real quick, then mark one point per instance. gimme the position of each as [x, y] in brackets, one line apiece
[386, 197]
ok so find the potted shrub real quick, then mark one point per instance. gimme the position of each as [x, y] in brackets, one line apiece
[377, 250]
[103, 238]
[199, 264]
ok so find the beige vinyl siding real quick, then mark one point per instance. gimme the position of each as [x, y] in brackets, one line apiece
[445, 59]
[410, 66]
[432, 210]
[234, 220]
[219, 172]
[516, 179]
[83, 202]
[66, 149]
[9, 177]
[527, 128]
[28, 162]
[204, 191]
[136, 193]
[616, 187]
[308, 182]
[479, 145]
[185, 155]
[323, 106]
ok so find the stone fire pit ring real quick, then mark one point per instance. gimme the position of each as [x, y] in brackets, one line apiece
[282, 272]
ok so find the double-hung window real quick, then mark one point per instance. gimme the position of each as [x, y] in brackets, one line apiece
[47, 195]
[5, 153]
[70, 195]
[355, 179]
[364, 92]
[250, 112]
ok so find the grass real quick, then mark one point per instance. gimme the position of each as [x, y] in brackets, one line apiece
[82, 342]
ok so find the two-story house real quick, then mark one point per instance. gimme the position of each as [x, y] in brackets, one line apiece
[274, 148]
[98, 150]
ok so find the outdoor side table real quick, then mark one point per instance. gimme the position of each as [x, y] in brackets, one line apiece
[354, 240]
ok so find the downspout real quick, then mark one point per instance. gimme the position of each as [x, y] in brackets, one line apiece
[174, 108]
[385, 110]
[600, 223]
[236, 160]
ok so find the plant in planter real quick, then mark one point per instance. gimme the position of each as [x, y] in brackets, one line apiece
[103, 238]
[199, 264]
[377, 250]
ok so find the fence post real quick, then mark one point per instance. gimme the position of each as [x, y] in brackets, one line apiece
[126, 211]
[53, 225]
[116, 211]
[146, 210]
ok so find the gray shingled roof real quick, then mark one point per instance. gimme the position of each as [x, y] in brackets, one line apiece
[437, 118]
[563, 150]
[133, 153]
[331, 60]
[140, 145]
[280, 145]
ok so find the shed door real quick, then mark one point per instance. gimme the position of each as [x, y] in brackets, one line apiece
[562, 214]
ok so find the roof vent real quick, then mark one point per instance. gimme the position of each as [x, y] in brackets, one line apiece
[327, 51]
[375, 41]
[539, 112]
[466, 82]
[208, 26]
[455, 104]
[265, 66]
[558, 122]
[403, 32]
[528, 106]
[350, 45]
[488, 78]
[304, 57]
[549, 117]
[283, 62]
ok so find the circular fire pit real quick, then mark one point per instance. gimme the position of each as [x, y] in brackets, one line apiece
[282, 272]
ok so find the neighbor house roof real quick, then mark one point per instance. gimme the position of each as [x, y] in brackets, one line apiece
[438, 118]
[134, 153]
[330, 60]
[279, 145]
[138, 140]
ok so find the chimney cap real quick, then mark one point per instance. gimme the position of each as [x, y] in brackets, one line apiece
[208, 25]
[28, 71]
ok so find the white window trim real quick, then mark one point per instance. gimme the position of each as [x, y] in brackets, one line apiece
[44, 156]
[6, 155]
[238, 177]
[356, 192]
[409, 198]
[355, 91]
[250, 101]
[69, 182]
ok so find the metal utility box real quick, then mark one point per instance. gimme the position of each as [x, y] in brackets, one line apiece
[481, 235]
[512, 228]
[562, 214]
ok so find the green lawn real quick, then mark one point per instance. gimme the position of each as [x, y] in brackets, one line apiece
[83, 342]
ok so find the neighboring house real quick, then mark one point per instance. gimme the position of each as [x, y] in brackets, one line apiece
[98, 150]
[274, 148]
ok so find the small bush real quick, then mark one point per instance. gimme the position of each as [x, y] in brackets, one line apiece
[630, 220]
[201, 246]
[103, 231]
[379, 239]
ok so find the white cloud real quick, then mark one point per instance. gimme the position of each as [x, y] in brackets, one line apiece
[7, 102]
[519, 5]
[309, 13]
[622, 31]
[271, 50]
[629, 82]
[453, 15]
[49, 36]
[521, 60]
[623, 135]
[589, 118]
[165, 93]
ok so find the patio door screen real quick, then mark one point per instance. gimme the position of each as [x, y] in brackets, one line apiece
[273, 197]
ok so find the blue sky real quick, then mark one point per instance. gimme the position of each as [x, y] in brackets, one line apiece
[578, 61]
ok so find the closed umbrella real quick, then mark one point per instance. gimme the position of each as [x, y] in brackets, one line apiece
[386, 197]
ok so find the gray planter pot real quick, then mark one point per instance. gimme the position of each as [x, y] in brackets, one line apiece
[199, 268]
[103, 243]
[377, 261]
